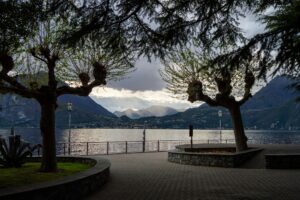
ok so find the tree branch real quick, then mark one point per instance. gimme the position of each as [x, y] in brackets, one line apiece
[22, 92]
[81, 91]
[195, 92]
[249, 82]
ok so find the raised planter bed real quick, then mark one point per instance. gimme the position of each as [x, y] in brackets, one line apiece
[75, 187]
[282, 161]
[211, 155]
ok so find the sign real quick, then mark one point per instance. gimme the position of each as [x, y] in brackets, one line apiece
[191, 130]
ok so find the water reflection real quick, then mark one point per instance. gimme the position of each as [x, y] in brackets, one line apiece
[102, 135]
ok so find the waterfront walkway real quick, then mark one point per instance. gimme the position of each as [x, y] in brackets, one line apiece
[149, 176]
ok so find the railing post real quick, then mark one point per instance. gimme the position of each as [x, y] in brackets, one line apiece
[107, 148]
[64, 149]
[126, 147]
[207, 141]
[158, 145]
[226, 141]
[87, 148]
[38, 151]
[69, 148]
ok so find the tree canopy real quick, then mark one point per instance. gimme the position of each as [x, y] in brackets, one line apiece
[189, 73]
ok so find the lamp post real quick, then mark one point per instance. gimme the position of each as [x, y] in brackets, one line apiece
[9, 108]
[69, 107]
[144, 136]
[14, 100]
[220, 123]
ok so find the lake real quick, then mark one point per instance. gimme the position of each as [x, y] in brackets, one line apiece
[102, 135]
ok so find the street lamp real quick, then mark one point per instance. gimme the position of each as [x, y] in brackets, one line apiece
[69, 108]
[220, 116]
[144, 136]
[9, 108]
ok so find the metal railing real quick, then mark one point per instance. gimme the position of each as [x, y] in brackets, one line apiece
[124, 147]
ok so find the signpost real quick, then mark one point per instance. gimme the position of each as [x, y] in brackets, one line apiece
[191, 134]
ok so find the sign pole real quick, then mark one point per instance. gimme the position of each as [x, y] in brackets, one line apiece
[191, 134]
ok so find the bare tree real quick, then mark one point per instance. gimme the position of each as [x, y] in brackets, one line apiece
[191, 75]
[43, 69]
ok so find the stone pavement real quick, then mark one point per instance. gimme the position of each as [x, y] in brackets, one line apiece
[149, 176]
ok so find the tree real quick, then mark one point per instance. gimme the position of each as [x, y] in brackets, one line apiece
[215, 24]
[189, 73]
[37, 65]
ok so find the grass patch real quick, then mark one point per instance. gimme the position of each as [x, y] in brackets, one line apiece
[28, 173]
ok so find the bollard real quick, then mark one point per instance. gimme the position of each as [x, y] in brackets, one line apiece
[107, 148]
[191, 134]
[87, 148]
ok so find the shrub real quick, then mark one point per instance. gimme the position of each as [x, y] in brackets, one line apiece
[14, 153]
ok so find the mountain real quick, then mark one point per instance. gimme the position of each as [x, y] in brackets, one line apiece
[26, 112]
[116, 104]
[276, 93]
[273, 107]
[156, 111]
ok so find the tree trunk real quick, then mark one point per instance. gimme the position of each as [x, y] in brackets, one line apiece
[47, 126]
[239, 132]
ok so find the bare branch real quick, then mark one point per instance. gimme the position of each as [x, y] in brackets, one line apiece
[195, 92]
[22, 92]
[81, 91]
[249, 83]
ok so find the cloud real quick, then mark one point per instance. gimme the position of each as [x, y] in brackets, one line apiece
[121, 99]
[146, 77]
[250, 25]
[144, 87]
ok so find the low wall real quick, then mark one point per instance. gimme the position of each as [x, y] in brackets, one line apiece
[229, 160]
[75, 187]
[282, 161]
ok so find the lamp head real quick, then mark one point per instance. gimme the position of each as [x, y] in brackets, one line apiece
[220, 113]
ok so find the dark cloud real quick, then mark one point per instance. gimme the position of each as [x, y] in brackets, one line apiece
[146, 77]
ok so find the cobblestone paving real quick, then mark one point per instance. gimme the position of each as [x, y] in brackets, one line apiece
[149, 176]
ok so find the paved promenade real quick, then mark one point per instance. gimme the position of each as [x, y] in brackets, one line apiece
[149, 176]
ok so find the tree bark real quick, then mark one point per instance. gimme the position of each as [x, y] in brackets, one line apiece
[47, 126]
[239, 132]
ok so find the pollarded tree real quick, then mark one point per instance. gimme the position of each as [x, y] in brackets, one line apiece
[44, 69]
[122, 28]
[187, 73]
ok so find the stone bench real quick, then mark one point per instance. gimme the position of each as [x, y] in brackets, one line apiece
[230, 160]
[282, 161]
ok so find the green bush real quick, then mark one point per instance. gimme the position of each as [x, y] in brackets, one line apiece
[14, 153]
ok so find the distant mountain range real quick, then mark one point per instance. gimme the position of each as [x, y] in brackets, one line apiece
[273, 107]
[26, 112]
[117, 104]
[153, 111]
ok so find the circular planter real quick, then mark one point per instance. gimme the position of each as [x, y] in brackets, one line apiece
[211, 155]
[76, 186]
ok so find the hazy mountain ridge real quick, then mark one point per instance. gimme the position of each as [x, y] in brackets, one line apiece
[26, 112]
[273, 107]
[153, 111]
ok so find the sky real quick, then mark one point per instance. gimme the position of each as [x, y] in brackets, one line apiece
[144, 87]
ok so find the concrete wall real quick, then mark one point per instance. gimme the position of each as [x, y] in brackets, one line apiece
[73, 187]
[282, 161]
[212, 159]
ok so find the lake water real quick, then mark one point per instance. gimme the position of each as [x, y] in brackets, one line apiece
[102, 135]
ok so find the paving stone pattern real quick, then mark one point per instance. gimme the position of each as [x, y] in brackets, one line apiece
[149, 176]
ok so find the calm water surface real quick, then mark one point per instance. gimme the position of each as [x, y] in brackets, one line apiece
[102, 135]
